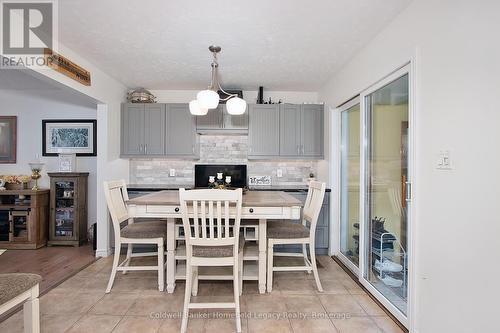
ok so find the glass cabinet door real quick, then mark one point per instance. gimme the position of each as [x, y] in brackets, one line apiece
[349, 184]
[386, 180]
[64, 225]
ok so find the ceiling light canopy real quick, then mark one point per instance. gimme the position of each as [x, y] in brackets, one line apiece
[209, 98]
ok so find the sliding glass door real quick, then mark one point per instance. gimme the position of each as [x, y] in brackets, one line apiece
[386, 191]
[349, 184]
[374, 181]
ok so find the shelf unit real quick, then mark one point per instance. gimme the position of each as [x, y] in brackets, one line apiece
[383, 252]
[23, 219]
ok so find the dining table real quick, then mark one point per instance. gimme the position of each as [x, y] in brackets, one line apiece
[257, 208]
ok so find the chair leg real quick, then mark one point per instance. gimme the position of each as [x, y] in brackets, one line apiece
[116, 259]
[187, 298]
[270, 256]
[129, 256]
[31, 309]
[195, 281]
[240, 273]
[161, 266]
[304, 252]
[314, 267]
[236, 282]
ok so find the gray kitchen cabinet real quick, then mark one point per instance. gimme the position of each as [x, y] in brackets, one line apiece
[290, 130]
[301, 131]
[211, 121]
[312, 138]
[234, 123]
[154, 129]
[181, 138]
[143, 129]
[263, 131]
[220, 121]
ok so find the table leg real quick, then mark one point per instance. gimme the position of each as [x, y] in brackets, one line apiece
[170, 255]
[262, 255]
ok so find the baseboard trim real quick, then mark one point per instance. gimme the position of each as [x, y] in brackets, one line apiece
[103, 252]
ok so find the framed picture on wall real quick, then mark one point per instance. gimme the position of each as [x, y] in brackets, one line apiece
[8, 139]
[69, 137]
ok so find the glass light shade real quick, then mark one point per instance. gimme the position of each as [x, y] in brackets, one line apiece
[236, 106]
[195, 109]
[208, 99]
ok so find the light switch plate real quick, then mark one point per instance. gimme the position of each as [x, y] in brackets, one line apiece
[172, 173]
[279, 173]
[444, 160]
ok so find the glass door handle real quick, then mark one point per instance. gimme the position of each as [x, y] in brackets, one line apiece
[408, 191]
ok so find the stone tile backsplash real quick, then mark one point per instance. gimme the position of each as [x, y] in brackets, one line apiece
[219, 149]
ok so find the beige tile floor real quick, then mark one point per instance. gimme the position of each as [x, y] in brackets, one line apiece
[135, 305]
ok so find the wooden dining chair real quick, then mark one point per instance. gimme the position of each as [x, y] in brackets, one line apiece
[148, 232]
[287, 232]
[211, 240]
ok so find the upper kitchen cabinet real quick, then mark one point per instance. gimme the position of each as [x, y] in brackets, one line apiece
[181, 139]
[142, 130]
[312, 129]
[158, 130]
[263, 131]
[301, 131]
[290, 130]
[220, 121]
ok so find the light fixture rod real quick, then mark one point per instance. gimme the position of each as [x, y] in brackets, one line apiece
[214, 82]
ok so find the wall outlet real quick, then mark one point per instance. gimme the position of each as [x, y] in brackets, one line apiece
[172, 173]
[279, 173]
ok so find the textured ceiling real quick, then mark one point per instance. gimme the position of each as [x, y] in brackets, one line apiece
[282, 45]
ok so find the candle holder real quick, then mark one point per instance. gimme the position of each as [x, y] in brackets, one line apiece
[36, 168]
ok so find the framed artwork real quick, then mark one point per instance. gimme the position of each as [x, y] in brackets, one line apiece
[8, 139]
[75, 136]
[67, 162]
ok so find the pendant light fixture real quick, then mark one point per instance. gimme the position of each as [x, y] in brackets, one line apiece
[209, 98]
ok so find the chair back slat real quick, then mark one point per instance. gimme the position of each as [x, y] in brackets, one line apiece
[215, 220]
[226, 217]
[116, 195]
[203, 219]
[219, 219]
[196, 225]
[313, 204]
[211, 218]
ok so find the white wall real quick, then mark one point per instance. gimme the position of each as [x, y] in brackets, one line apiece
[31, 107]
[109, 93]
[456, 218]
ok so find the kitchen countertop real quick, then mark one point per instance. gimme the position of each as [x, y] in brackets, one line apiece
[161, 187]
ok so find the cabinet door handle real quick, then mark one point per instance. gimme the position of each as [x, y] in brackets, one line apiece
[145, 149]
[140, 148]
[298, 149]
[251, 210]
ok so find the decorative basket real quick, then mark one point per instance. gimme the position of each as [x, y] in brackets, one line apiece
[16, 187]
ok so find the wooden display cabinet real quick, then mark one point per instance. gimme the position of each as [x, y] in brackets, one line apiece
[24, 216]
[68, 208]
